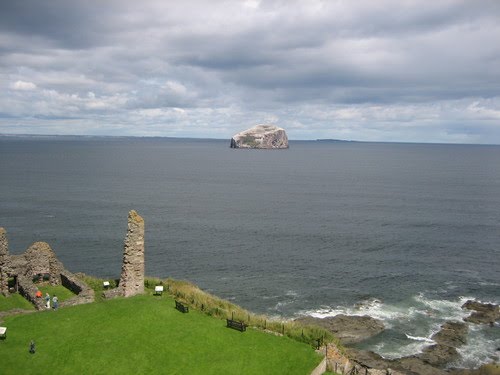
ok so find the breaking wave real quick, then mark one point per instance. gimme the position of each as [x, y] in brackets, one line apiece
[410, 325]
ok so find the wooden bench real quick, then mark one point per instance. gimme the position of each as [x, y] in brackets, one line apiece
[182, 308]
[3, 332]
[158, 290]
[234, 324]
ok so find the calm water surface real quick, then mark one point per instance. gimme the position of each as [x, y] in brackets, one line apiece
[402, 232]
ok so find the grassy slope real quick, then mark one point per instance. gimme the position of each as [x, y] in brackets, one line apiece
[144, 334]
[14, 301]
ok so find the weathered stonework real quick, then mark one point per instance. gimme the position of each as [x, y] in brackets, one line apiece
[4, 253]
[132, 276]
[38, 261]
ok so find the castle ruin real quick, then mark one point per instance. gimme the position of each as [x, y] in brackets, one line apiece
[19, 273]
[132, 276]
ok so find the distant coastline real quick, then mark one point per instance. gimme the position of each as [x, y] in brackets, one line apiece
[74, 137]
[334, 140]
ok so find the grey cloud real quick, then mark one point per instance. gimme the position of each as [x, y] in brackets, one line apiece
[109, 62]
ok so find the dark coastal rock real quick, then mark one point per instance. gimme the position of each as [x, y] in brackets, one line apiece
[484, 313]
[452, 335]
[432, 360]
[416, 365]
[368, 358]
[487, 369]
[439, 355]
[406, 365]
[261, 136]
[348, 329]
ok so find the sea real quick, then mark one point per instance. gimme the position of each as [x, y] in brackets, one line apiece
[405, 233]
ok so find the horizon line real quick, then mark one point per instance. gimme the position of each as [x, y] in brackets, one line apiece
[332, 140]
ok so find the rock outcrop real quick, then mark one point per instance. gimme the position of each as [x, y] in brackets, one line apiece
[451, 336]
[484, 313]
[261, 136]
[347, 328]
[433, 359]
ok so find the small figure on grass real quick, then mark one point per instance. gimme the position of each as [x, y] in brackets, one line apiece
[47, 300]
[55, 302]
[32, 347]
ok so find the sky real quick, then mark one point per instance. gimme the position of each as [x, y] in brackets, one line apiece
[406, 71]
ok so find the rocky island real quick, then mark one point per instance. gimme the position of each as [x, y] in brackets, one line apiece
[262, 137]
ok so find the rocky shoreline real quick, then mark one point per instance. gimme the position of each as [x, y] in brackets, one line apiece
[348, 329]
[434, 359]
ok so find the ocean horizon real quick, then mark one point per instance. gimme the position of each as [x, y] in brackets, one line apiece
[35, 136]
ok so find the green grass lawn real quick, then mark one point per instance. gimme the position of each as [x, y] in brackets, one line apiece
[14, 301]
[144, 335]
[61, 292]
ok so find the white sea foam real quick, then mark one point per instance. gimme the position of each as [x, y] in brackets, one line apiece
[487, 283]
[373, 307]
[418, 338]
[479, 349]
[444, 309]
[417, 320]
[290, 298]
[432, 310]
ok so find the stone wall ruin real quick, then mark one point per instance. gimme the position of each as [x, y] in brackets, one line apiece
[39, 261]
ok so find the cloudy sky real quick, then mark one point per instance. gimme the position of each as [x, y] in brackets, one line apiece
[415, 71]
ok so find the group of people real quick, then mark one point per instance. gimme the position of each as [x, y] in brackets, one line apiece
[55, 300]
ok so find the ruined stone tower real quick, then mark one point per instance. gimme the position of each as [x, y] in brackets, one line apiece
[132, 277]
[4, 253]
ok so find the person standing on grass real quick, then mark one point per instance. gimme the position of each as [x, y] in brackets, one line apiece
[47, 300]
[55, 302]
